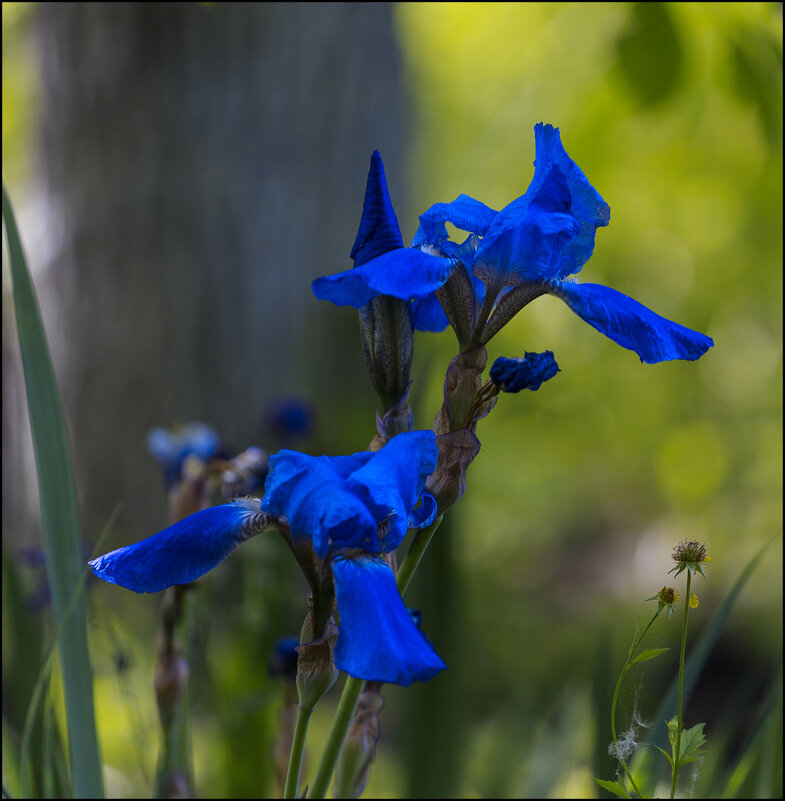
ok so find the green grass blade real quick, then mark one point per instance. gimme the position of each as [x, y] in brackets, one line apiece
[60, 521]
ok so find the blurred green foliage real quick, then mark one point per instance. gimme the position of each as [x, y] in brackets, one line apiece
[674, 112]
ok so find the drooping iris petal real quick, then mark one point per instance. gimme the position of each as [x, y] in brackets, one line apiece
[394, 479]
[379, 232]
[464, 212]
[178, 554]
[631, 324]
[428, 314]
[377, 639]
[404, 273]
[312, 493]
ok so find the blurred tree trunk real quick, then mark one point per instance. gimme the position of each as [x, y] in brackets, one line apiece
[201, 164]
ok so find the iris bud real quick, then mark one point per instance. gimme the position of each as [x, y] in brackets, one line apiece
[316, 670]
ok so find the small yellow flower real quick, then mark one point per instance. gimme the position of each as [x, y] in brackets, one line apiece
[666, 597]
[694, 601]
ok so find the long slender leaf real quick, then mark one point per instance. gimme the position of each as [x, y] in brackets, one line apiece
[60, 520]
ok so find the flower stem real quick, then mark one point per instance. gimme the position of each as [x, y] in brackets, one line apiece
[353, 687]
[416, 551]
[292, 789]
[677, 752]
[341, 721]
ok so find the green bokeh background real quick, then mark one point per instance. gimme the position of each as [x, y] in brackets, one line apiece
[674, 113]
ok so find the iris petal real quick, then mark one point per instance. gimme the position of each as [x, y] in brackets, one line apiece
[464, 212]
[379, 231]
[404, 273]
[428, 315]
[394, 479]
[586, 203]
[530, 244]
[178, 554]
[631, 324]
[425, 513]
[312, 493]
[377, 639]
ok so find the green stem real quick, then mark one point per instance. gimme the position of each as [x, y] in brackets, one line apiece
[353, 687]
[677, 753]
[415, 554]
[292, 789]
[341, 721]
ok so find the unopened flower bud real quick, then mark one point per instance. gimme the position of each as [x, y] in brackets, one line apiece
[316, 670]
[513, 375]
[387, 333]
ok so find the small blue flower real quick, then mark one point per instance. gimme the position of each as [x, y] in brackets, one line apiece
[536, 243]
[172, 448]
[383, 266]
[290, 418]
[531, 372]
[350, 509]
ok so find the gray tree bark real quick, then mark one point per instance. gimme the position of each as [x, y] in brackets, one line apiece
[201, 164]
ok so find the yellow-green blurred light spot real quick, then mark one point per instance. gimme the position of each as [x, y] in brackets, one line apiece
[691, 463]
[694, 601]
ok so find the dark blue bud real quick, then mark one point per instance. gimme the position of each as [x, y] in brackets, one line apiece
[290, 417]
[513, 375]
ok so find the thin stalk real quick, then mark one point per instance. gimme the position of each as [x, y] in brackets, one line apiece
[341, 721]
[292, 789]
[354, 687]
[415, 554]
[677, 753]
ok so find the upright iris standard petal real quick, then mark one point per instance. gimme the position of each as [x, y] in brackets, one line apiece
[288, 467]
[178, 554]
[464, 212]
[379, 232]
[586, 204]
[631, 324]
[311, 491]
[377, 639]
[530, 245]
[405, 273]
[394, 479]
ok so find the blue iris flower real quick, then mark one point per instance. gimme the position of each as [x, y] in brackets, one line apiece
[348, 510]
[536, 243]
[383, 266]
[172, 448]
